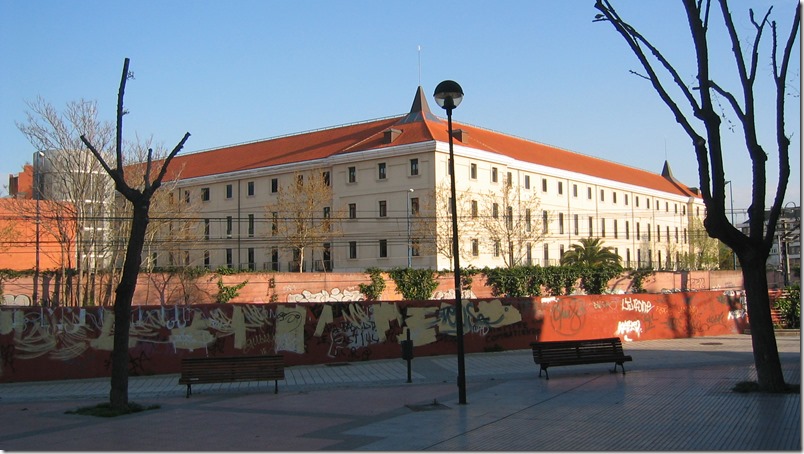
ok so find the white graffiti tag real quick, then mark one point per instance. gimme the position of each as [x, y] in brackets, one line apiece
[629, 326]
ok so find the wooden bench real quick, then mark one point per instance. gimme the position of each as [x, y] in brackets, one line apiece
[572, 352]
[227, 369]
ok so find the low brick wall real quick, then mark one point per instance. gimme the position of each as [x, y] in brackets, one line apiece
[39, 343]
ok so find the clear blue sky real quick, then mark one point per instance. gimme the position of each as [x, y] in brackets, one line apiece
[234, 71]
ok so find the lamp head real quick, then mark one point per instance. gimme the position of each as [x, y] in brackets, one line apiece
[448, 94]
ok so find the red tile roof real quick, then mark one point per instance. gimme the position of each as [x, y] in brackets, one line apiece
[419, 125]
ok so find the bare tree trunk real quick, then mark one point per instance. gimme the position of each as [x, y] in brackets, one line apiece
[763, 339]
[118, 395]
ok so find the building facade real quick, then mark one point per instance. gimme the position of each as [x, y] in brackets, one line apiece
[387, 186]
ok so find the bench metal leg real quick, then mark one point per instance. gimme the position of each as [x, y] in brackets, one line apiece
[545, 372]
[622, 365]
[276, 386]
[189, 391]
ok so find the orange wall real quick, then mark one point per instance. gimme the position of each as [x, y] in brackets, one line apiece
[18, 251]
[61, 343]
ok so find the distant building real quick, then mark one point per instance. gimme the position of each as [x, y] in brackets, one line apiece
[785, 253]
[384, 172]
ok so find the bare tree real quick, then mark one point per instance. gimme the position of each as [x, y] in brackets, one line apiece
[700, 97]
[73, 182]
[302, 214]
[431, 224]
[508, 221]
[140, 197]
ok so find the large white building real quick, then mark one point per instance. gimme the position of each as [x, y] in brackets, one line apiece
[388, 179]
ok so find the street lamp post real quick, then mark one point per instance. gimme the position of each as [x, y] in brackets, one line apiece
[410, 252]
[37, 195]
[448, 94]
[731, 201]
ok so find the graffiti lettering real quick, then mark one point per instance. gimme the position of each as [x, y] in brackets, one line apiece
[626, 327]
[633, 304]
[567, 316]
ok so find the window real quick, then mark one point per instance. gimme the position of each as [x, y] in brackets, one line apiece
[414, 206]
[667, 233]
[527, 181]
[495, 210]
[383, 208]
[352, 175]
[229, 226]
[636, 201]
[327, 216]
[575, 190]
[251, 264]
[666, 207]
[657, 205]
[615, 229]
[602, 196]
[493, 174]
[638, 234]
[352, 211]
[275, 259]
[414, 167]
[510, 180]
[658, 233]
[603, 227]
[589, 192]
[613, 197]
[546, 254]
[250, 189]
[353, 249]
[383, 248]
[186, 196]
[274, 222]
[205, 194]
[496, 248]
[475, 247]
[473, 171]
[228, 191]
[545, 224]
[509, 220]
[415, 248]
[648, 229]
[560, 187]
[544, 184]
[206, 229]
[591, 226]
[561, 223]
[676, 234]
[381, 169]
[625, 199]
[299, 180]
[474, 209]
[327, 180]
[575, 224]
[528, 254]
[527, 220]
[274, 185]
[627, 233]
[206, 259]
[250, 225]
[229, 262]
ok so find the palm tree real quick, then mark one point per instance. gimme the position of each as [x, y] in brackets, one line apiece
[590, 252]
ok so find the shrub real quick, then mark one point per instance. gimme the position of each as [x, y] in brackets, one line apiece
[414, 284]
[373, 291]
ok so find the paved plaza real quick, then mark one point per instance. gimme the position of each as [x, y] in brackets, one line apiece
[676, 395]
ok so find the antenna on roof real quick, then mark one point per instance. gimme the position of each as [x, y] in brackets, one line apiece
[420, 64]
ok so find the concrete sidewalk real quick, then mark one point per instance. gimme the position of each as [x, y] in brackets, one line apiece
[676, 396]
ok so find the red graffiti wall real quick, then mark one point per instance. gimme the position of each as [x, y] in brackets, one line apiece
[39, 343]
